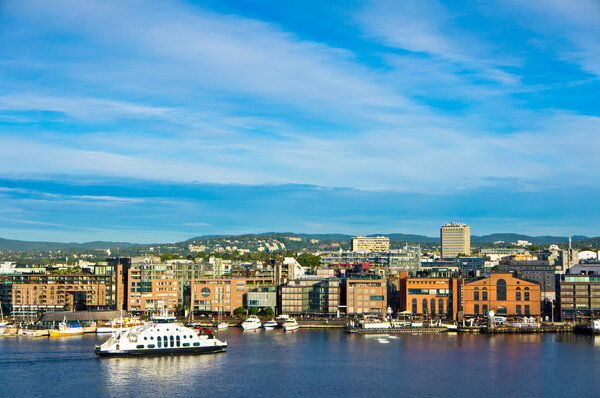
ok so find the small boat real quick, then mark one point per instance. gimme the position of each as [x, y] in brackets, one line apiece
[119, 324]
[251, 323]
[290, 325]
[32, 332]
[223, 325]
[67, 329]
[160, 339]
[281, 319]
[272, 324]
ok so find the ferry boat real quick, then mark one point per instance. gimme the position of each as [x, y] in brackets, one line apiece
[272, 324]
[252, 323]
[290, 325]
[67, 329]
[160, 339]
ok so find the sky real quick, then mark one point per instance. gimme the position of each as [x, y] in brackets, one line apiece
[160, 121]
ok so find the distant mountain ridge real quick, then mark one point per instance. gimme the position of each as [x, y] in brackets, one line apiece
[20, 245]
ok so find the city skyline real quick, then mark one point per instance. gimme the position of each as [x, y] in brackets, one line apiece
[123, 121]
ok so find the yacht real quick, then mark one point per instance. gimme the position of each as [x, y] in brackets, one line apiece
[281, 319]
[290, 325]
[160, 339]
[119, 324]
[272, 324]
[252, 323]
[222, 325]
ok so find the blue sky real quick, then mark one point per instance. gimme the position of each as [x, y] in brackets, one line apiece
[163, 120]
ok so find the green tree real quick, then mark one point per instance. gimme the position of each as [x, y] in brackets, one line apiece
[269, 311]
[253, 311]
[309, 260]
[238, 311]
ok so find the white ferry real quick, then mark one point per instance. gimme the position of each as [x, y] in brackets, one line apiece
[160, 339]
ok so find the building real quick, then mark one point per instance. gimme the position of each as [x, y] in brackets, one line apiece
[386, 263]
[431, 297]
[366, 295]
[315, 296]
[496, 253]
[262, 297]
[455, 239]
[502, 293]
[371, 244]
[540, 271]
[163, 294]
[31, 294]
[579, 297]
[211, 295]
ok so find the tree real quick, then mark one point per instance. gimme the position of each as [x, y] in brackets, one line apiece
[238, 311]
[309, 260]
[269, 311]
[253, 311]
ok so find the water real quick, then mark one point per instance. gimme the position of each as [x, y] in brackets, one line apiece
[314, 363]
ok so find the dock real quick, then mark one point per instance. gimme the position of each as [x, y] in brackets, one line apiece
[397, 330]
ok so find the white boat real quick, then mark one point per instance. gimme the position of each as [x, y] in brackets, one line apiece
[290, 325]
[223, 325]
[272, 324]
[251, 323]
[159, 339]
[282, 318]
[119, 324]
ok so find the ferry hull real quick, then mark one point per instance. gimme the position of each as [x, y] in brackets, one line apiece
[161, 352]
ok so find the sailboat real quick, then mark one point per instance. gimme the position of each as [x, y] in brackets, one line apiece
[221, 323]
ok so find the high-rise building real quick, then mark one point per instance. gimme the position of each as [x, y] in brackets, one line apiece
[455, 239]
[371, 243]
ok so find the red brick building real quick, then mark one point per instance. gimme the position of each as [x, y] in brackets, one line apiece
[502, 293]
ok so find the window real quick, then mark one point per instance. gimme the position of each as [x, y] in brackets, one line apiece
[172, 341]
[527, 309]
[501, 290]
[526, 294]
[485, 309]
[484, 295]
[518, 308]
[518, 296]
[476, 295]
[425, 307]
[441, 306]
[178, 341]
[414, 306]
[159, 341]
[432, 306]
[476, 309]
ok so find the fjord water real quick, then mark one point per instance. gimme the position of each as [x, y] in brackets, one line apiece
[313, 363]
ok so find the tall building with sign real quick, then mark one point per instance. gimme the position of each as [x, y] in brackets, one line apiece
[455, 239]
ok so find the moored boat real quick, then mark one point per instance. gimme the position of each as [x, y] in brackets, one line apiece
[251, 323]
[222, 325]
[67, 329]
[272, 324]
[290, 324]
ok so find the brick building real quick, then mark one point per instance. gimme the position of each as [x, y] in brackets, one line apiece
[211, 294]
[502, 293]
[431, 297]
